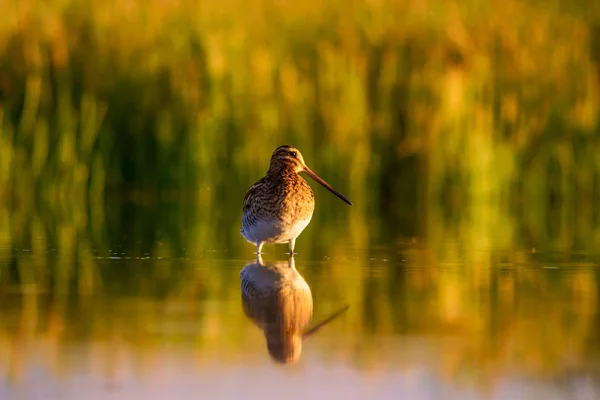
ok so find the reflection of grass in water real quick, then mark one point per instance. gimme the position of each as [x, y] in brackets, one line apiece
[525, 322]
[417, 102]
[485, 307]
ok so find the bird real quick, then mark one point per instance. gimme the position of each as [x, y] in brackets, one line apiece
[280, 205]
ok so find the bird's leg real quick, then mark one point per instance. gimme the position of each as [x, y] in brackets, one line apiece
[292, 243]
[259, 259]
[292, 262]
[259, 246]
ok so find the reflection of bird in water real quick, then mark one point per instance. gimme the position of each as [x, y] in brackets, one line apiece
[279, 206]
[279, 301]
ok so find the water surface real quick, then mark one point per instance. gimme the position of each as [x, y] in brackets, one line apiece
[153, 308]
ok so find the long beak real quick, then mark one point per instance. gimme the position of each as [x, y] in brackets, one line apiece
[316, 177]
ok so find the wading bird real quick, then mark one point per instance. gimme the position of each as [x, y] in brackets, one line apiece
[279, 206]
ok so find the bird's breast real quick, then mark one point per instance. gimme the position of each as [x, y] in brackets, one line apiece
[298, 203]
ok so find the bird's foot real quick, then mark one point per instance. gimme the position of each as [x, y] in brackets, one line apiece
[259, 259]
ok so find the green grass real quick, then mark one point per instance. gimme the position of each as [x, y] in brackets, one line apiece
[497, 97]
[406, 107]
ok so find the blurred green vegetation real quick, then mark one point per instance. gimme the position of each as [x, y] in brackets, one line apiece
[133, 130]
[391, 98]
[429, 108]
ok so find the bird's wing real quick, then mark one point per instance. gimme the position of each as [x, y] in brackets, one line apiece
[252, 192]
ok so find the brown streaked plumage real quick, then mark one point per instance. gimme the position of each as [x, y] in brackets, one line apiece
[279, 206]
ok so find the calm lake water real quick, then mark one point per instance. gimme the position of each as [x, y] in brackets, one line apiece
[429, 307]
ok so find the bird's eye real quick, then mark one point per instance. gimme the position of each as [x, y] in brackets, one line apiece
[293, 153]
